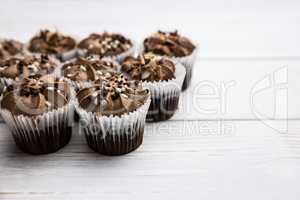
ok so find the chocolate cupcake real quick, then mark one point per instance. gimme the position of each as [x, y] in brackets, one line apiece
[10, 48]
[162, 77]
[113, 111]
[54, 43]
[84, 70]
[37, 112]
[16, 68]
[175, 46]
[110, 45]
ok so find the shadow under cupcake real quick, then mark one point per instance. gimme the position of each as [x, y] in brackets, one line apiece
[37, 111]
[162, 77]
[112, 114]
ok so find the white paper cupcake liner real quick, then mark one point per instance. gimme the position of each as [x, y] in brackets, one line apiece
[188, 62]
[165, 96]
[68, 55]
[119, 58]
[114, 135]
[42, 134]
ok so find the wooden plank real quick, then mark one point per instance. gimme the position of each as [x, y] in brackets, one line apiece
[231, 29]
[177, 160]
[242, 89]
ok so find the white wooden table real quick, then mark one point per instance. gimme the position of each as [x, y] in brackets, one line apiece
[236, 134]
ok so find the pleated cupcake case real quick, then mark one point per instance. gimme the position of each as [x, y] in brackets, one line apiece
[114, 135]
[165, 95]
[44, 133]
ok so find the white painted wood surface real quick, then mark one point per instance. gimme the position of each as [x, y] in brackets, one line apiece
[219, 145]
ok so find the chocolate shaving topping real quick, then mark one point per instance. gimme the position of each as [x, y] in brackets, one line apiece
[105, 44]
[89, 69]
[27, 65]
[36, 95]
[149, 67]
[112, 96]
[169, 44]
[51, 43]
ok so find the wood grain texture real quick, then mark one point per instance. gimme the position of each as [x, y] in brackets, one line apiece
[236, 150]
[232, 28]
[177, 160]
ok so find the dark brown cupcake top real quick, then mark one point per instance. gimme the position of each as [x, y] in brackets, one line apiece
[36, 95]
[89, 69]
[51, 43]
[9, 48]
[28, 65]
[149, 67]
[105, 44]
[169, 44]
[113, 96]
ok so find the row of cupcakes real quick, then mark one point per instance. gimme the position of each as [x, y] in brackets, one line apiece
[39, 109]
[112, 107]
[112, 45]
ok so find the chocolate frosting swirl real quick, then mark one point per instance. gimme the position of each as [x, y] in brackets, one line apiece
[149, 67]
[169, 44]
[36, 95]
[51, 43]
[9, 48]
[27, 65]
[89, 69]
[105, 44]
[112, 96]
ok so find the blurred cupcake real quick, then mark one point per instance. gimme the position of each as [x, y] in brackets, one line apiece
[175, 46]
[54, 43]
[10, 48]
[37, 112]
[162, 77]
[84, 70]
[16, 68]
[112, 45]
[113, 111]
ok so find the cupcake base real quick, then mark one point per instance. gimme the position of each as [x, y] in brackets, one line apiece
[162, 109]
[114, 145]
[188, 78]
[165, 96]
[42, 134]
[114, 135]
[43, 142]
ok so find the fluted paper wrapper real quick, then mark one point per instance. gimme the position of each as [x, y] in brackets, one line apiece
[165, 96]
[42, 134]
[188, 62]
[114, 135]
[119, 58]
[67, 55]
